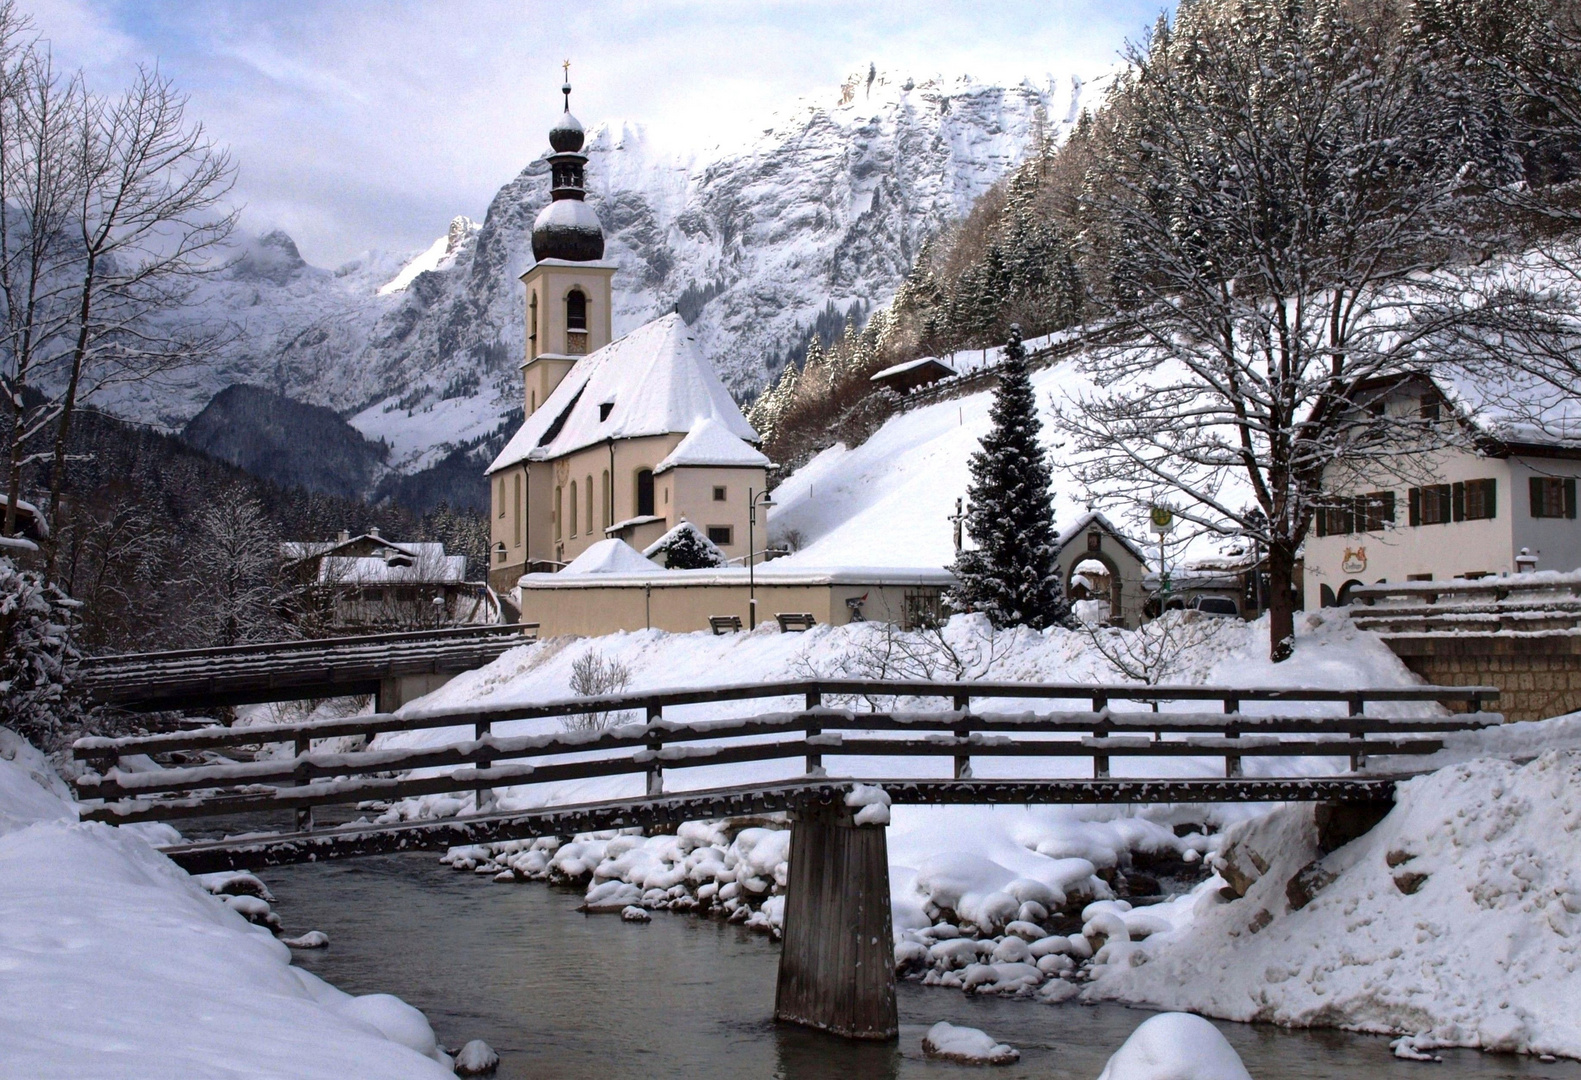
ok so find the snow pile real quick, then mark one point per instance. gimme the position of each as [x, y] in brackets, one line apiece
[476, 1058]
[118, 964]
[1175, 1046]
[1457, 921]
[610, 557]
[966, 1046]
[871, 804]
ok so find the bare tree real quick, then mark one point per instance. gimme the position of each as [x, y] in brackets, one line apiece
[114, 213]
[594, 675]
[1158, 650]
[1277, 195]
[235, 569]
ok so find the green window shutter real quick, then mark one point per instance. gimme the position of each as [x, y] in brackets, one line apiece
[1414, 507]
[1535, 485]
[1570, 497]
[1458, 499]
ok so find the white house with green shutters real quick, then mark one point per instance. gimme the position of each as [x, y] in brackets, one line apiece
[1506, 506]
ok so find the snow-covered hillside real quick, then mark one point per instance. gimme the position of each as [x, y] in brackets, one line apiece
[828, 205]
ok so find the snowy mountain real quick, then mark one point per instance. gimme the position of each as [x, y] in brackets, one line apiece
[827, 206]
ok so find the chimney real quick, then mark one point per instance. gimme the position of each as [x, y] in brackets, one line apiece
[374, 532]
[344, 536]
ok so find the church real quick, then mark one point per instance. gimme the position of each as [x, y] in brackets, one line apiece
[622, 439]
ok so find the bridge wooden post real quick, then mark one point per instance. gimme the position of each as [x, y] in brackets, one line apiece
[837, 965]
[1100, 762]
[483, 797]
[304, 814]
[655, 744]
[963, 762]
[814, 760]
[1358, 707]
[1232, 762]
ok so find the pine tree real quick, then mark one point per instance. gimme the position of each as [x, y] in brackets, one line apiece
[689, 549]
[38, 659]
[1010, 576]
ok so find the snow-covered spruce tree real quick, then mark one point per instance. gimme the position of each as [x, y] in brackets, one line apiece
[38, 659]
[689, 549]
[1011, 576]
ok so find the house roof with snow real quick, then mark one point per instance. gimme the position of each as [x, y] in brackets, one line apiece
[294, 551]
[374, 570]
[654, 381]
[1516, 410]
[710, 442]
[1086, 521]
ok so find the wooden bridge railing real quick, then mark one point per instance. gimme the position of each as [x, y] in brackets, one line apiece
[650, 744]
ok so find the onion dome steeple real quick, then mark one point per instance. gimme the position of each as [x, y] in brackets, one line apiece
[567, 228]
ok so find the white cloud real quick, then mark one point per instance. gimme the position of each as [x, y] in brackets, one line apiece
[362, 125]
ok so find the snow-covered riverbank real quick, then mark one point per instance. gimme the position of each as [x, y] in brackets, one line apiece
[115, 963]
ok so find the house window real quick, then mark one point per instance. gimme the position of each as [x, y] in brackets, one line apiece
[576, 322]
[1430, 407]
[645, 493]
[406, 595]
[720, 494]
[373, 596]
[1371, 512]
[516, 487]
[1094, 541]
[1431, 505]
[573, 508]
[1475, 500]
[720, 534]
[1553, 497]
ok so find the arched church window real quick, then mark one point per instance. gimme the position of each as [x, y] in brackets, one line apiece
[576, 322]
[573, 508]
[645, 493]
[532, 326]
[588, 488]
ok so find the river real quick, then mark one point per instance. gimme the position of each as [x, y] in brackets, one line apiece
[575, 997]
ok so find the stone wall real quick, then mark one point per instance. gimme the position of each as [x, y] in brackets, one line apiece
[1538, 675]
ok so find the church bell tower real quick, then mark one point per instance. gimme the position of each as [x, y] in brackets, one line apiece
[568, 287]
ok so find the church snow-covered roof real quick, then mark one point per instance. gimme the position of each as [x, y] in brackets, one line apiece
[710, 442]
[654, 382]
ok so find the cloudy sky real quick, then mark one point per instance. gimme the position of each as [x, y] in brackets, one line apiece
[370, 123]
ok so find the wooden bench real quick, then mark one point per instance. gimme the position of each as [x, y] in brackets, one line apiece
[725, 624]
[797, 621]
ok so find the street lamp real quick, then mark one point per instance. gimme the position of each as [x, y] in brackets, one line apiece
[754, 500]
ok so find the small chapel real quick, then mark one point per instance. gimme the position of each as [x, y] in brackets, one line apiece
[623, 439]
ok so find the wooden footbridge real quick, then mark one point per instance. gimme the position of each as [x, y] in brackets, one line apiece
[836, 970]
[393, 667]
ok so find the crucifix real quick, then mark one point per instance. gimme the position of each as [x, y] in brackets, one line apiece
[957, 517]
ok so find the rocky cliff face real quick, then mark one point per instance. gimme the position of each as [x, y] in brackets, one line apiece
[828, 205]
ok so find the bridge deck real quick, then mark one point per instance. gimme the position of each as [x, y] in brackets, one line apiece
[669, 811]
[289, 670]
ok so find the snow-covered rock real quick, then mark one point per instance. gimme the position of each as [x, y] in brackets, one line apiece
[1175, 1046]
[966, 1046]
[476, 1058]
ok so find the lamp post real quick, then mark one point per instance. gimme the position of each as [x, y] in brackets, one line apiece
[754, 500]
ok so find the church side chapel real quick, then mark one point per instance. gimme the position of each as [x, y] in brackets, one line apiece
[622, 439]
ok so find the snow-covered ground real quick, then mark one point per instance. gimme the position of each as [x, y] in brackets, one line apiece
[902, 483]
[115, 963]
[1456, 922]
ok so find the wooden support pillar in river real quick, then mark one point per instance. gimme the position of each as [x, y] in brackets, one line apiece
[837, 967]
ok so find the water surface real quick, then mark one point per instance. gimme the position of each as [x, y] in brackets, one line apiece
[565, 995]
